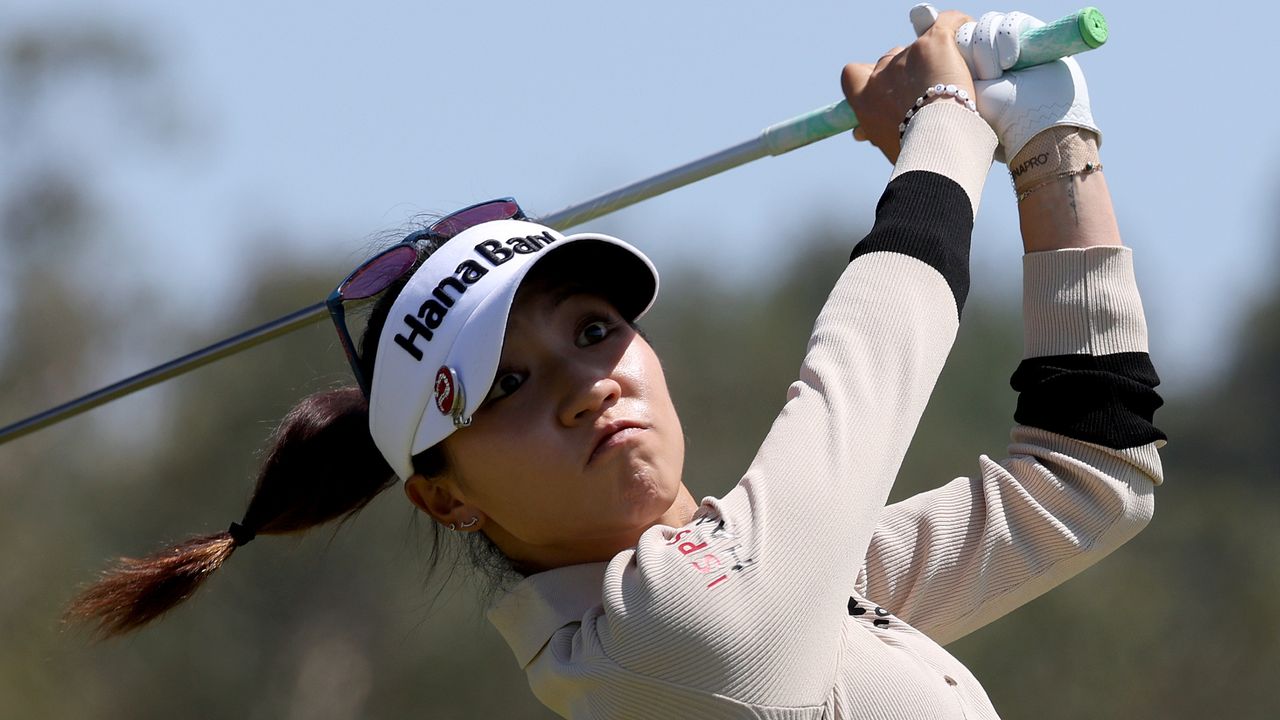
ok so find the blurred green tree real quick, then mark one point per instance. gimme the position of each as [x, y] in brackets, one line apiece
[1183, 622]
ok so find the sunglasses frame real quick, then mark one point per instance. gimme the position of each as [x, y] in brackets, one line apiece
[440, 230]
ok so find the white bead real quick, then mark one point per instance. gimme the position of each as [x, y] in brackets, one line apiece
[962, 94]
[951, 90]
[919, 102]
[910, 113]
[939, 88]
[931, 91]
[902, 127]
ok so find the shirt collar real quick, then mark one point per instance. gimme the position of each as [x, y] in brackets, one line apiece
[541, 604]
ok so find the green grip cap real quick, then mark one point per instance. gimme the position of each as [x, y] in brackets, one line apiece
[1093, 27]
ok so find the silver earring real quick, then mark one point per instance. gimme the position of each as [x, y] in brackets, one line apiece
[452, 526]
[473, 521]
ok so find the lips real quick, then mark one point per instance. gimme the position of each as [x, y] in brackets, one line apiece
[613, 435]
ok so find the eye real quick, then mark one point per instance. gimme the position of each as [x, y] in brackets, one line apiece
[593, 332]
[503, 385]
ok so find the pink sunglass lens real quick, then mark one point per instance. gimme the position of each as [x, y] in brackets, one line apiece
[456, 223]
[379, 274]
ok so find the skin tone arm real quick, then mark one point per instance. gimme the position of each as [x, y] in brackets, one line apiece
[1070, 212]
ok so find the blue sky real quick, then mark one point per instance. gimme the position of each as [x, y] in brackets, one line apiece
[312, 126]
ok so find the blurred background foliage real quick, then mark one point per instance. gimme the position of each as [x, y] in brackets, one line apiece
[1183, 622]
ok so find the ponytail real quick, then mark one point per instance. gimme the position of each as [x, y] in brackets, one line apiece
[322, 465]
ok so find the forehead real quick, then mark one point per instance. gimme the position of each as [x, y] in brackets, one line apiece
[558, 278]
[539, 300]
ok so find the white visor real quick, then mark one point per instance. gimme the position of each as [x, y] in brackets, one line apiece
[442, 340]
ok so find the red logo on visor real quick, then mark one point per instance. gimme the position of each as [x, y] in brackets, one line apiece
[445, 393]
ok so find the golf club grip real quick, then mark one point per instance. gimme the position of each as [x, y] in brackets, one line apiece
[1076, 33]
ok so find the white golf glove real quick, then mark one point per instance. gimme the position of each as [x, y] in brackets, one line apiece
[1018, 105]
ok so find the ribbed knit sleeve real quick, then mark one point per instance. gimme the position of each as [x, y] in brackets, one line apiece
[742, 613]
[1081, 467]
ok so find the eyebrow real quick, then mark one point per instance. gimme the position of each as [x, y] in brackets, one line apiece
[567, 292]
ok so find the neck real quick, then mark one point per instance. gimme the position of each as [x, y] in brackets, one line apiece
[681, 511]
[531, 559]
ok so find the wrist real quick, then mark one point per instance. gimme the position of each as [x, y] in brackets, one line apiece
[1063, 200]
[935, 93]
[1054, 153]
[948, 139]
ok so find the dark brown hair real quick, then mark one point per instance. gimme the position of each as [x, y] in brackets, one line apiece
[321, 465]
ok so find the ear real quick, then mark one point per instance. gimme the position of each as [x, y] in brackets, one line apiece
[436, 497]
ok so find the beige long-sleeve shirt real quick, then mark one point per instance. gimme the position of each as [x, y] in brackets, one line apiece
[800, 594]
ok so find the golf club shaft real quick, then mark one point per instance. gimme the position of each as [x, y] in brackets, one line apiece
[160, 373]
[1078, 32]
[1072, 34]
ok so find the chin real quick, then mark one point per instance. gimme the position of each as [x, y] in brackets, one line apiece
[647, 497]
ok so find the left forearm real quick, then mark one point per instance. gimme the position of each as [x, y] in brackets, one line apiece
[1063, 201]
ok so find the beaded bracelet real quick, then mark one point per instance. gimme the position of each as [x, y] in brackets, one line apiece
[932, 93]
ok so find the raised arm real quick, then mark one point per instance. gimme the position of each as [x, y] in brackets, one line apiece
[1082, 462]
[753, 595]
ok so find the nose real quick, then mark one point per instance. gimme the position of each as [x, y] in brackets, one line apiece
[591, 398]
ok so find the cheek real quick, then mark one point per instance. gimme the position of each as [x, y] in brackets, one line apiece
[644, 371]
[506, 469]
[640, 366]
[652, 383]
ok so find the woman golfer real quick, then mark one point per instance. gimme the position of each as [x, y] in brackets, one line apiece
[508, 389]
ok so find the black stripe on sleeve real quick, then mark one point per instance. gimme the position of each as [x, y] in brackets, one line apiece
[1108, 400]
[929, 217]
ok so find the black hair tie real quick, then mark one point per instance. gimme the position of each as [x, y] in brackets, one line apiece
[240, 535]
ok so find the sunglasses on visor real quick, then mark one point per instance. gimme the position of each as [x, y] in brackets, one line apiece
[382, 270]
